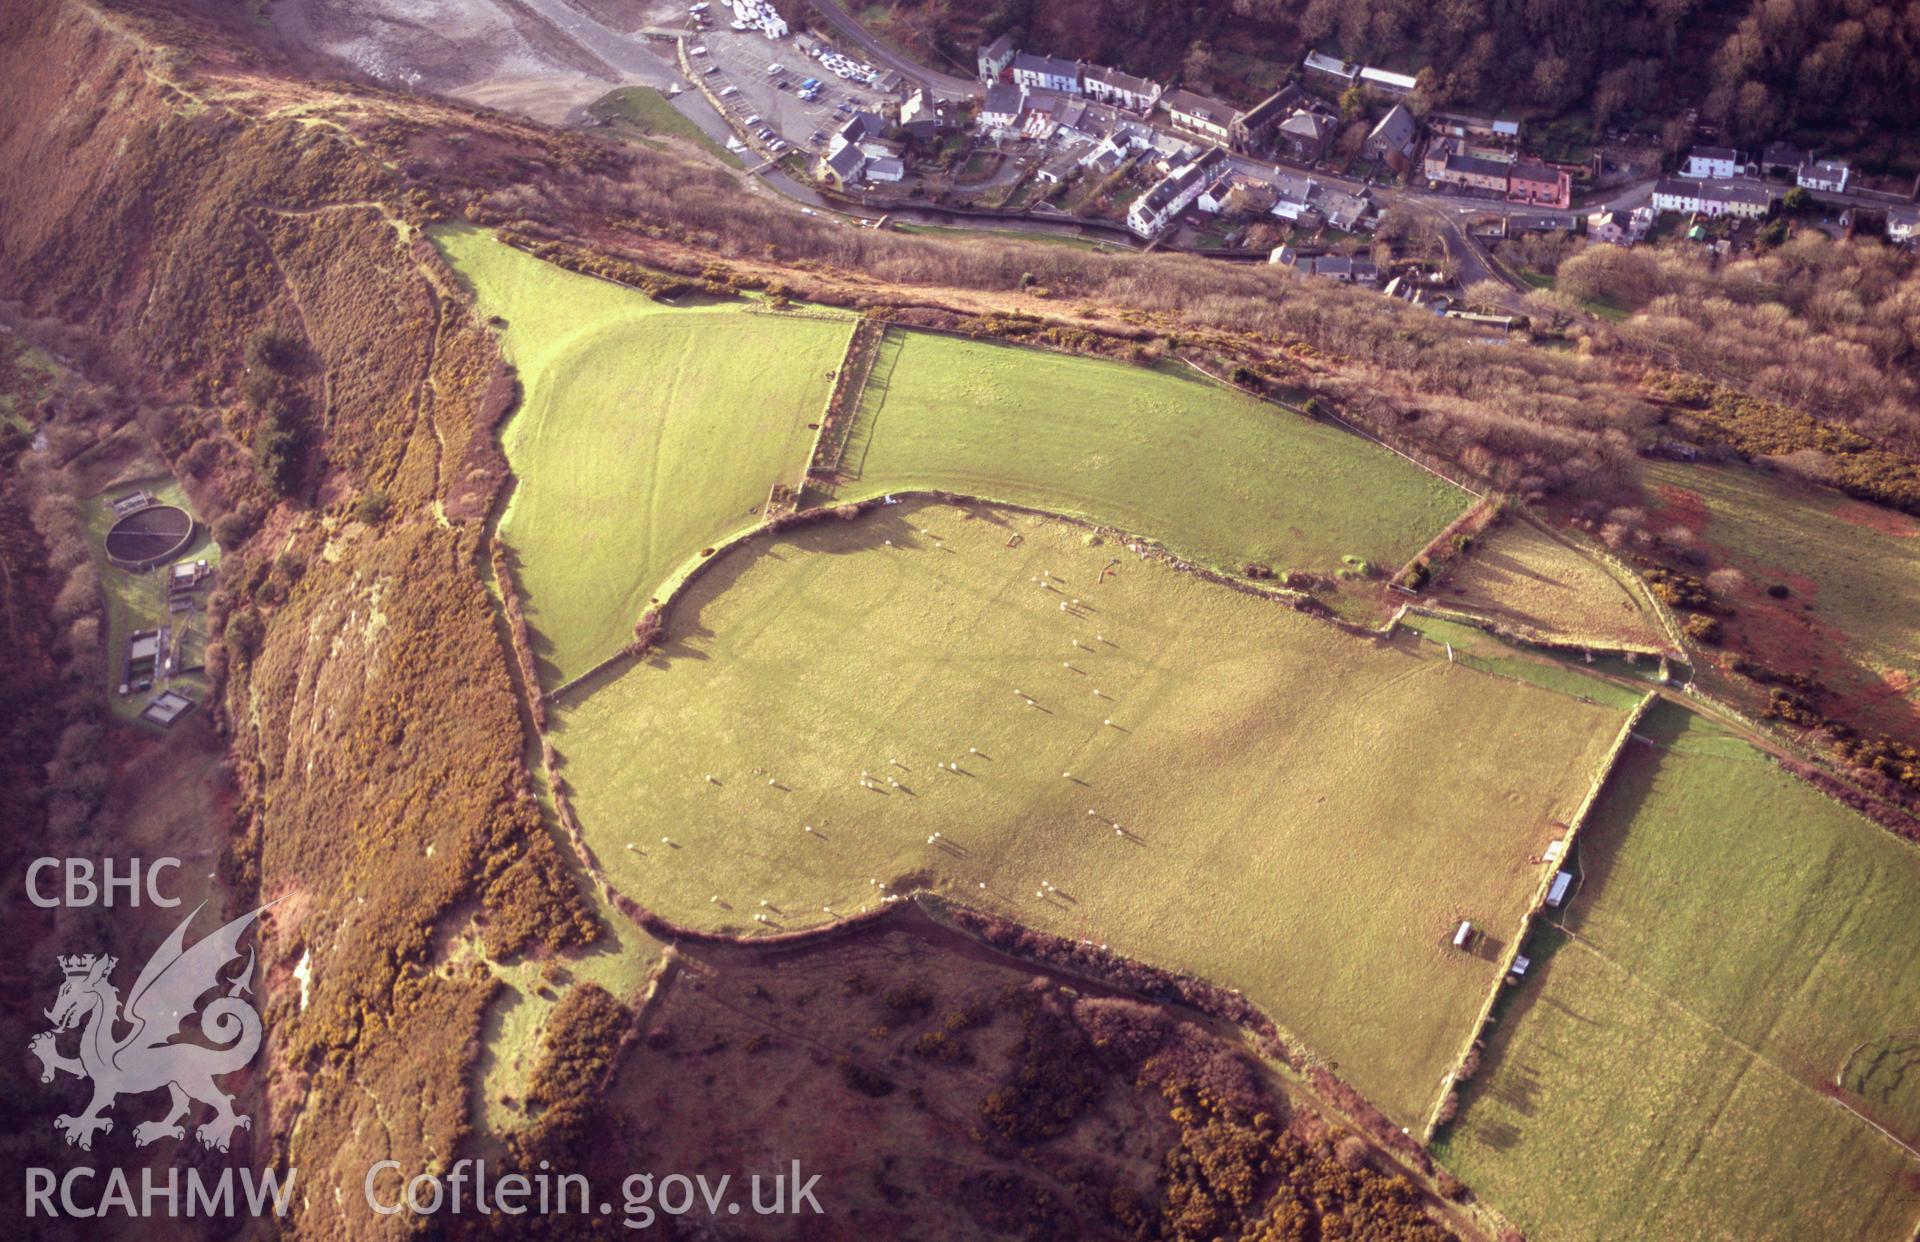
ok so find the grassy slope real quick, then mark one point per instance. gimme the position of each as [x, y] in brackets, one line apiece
[1862, 580]
[1524, 578]
[139, 601]
[649, 112]
[1213, 474]
[1313, 813]
[1737, 935]
[645, 434]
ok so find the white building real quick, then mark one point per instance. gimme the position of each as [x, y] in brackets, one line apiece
[1903, 224]
[1711, 162]
[1002, 107]
[1123, 90]
[1172, 194]
[1828, 175]
[1045, 73]
[1739, 197]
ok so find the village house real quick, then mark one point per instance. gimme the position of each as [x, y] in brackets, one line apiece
[1783, 159]
[1537, 185]
[1617, 228]
[1903, 224]
[1122, 90]
[1002, 107]
[1745, 198]
[843, 167]
[1829, 176]
[1712, 163]
[1045, 73]
[1447, 164]
[887, 169]
[994, 58]
[1304, 137]
[922, 116]
[1252, 131]
[1172, 194]
[1197, 114]
[1394, 140]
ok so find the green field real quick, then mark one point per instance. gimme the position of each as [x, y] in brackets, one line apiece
[645, 434]
[1739, 941]
[1215, 475]
[139, 601]
[1307, 815]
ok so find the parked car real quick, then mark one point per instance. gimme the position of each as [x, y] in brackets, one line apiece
[775, 70]
[727, 92]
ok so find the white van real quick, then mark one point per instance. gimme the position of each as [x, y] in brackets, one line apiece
[727, 92]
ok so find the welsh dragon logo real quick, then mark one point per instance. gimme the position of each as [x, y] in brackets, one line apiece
[143, 1058]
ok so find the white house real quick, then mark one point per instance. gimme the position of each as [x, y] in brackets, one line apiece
[1708, 162]
[1122, 90]
[1199, 115]
[1903, 224]
[1739, 197]
[1045, 73]
[1172, 194]
[1618, 228]
[1002, 107]
[885, 169]
[995, 57]
[1828, 175]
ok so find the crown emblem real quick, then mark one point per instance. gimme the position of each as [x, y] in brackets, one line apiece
[78, 964]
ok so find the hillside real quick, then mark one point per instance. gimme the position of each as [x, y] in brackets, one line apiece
[1820, 64]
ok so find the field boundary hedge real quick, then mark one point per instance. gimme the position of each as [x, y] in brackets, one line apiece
[843, 403]
[1575, 823]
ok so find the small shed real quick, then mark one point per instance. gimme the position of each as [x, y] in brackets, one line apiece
[1463, 936]
[1520, 964]
[1558, 892]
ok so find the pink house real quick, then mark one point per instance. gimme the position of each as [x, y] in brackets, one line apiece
[1537, 185]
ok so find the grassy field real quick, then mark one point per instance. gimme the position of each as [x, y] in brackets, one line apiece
[644, 110]
[1275, 805]
[645, 434]
[1738, 942]
[139, 601]
[1213, 474]
[1523, 578]
[1853, 619]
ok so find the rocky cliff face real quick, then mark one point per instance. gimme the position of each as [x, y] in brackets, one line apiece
[240, 249]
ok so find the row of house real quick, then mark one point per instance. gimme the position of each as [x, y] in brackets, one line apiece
[858, 152]
[1457, 161]
[1287, 122]
[1744, 197]
[1002, 61]
[1780, 158]
[1348, 269]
